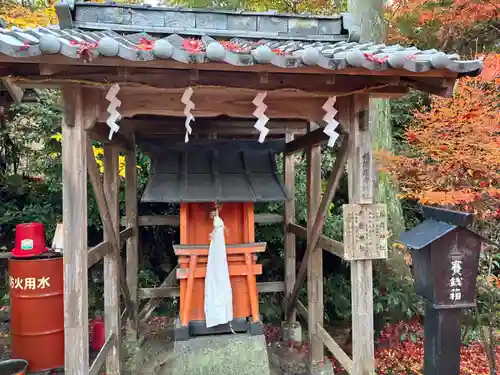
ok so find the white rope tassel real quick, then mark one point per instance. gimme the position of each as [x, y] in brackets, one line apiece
[189, 106]
[114, 115]
[331, 123]
[262, 119]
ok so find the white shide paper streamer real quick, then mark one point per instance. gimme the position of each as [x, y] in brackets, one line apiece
[189, 106]
[331, 123]
[114, 115]
[262, 119]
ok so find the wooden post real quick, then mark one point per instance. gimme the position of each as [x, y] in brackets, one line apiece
[111, 265]
[133, 242]
[74, 176]
[289, 240]
[315, 261]
[360, 169]
[312, 243]
[107, 222]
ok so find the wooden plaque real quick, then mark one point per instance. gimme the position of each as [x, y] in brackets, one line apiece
[365, 231]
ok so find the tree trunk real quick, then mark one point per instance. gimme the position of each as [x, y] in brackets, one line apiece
[370, 16]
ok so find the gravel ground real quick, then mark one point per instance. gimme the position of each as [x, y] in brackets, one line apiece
[153, 355]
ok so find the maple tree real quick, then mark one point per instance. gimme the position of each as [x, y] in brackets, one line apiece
[453, 155]
[446, 24]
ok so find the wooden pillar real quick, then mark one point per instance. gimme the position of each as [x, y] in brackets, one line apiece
[111, 272]
[360, 169]
[289, 241]
[74, 177]
[132, 242]
[315, 262]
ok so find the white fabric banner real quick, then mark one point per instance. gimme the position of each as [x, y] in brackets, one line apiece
[218, 292]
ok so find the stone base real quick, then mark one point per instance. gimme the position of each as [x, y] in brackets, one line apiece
[232, 354]
[324, 368]
[291, 331]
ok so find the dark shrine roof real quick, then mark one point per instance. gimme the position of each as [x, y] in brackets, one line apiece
[209, 171]
[144, 33]
[425, 233]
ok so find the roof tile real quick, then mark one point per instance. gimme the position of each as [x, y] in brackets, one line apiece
[111, 30]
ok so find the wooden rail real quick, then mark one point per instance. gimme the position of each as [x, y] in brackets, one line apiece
[174, 220]
[174, 291]
[101, 356]
[314, 138]
[335, 349]
[332, 246]
[302, 310]
[97, 252]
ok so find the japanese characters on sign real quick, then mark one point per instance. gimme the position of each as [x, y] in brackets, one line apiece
[366, 176]
[29, 283]
[456, 280]
[365, 231]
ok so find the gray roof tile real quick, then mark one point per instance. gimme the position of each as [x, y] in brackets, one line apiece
[236, 38]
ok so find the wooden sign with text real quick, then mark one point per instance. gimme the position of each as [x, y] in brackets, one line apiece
[365, 231]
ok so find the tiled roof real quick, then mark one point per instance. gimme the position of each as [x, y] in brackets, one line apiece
[287, 41]
[208, 171]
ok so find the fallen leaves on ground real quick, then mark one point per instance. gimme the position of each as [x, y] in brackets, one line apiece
[400, 351]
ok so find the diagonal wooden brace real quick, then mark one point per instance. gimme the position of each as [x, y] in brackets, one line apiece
[319, 221]
[102, 204]
[149, 307]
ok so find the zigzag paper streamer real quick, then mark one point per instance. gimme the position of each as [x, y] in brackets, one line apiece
[262, 119]
[114, 115]
[189, 106]
[331, 123]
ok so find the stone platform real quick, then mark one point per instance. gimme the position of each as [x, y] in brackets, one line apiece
[236, 354]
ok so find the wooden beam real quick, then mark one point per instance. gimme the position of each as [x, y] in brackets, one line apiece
[102, 355]
[170, 78]
[174, 291]
[389, 92]
[289, 218]
[16, 92]
[126, 234]
[235, 103]
[315, 259]
[302, 311]
[311, 139]
[96, 253]
[174, 220]
[107, 222]
[151, 305]
[328, 244]
[112, 63]
[361, 187]
[333, 182]
[112, 260]
[335, 349]
[444, 88]
[174, 125]
[268, 218]
[74, 177]
[100, 132]
[131, 209]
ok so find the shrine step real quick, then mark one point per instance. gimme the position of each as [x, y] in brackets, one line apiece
[235, 354]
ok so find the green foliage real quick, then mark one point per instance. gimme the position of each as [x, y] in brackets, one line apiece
[281, 6]
[402, 115]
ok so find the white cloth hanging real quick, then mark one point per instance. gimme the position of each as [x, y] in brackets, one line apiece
[218, 292]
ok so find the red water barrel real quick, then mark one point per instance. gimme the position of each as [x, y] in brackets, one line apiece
[37, 312]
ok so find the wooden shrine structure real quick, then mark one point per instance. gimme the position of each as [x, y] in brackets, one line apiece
[140, 63]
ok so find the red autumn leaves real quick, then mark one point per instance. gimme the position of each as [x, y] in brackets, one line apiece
[400, 351]
[453, 153]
